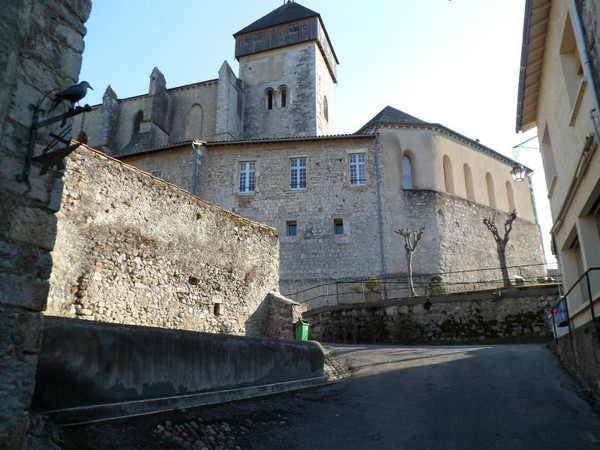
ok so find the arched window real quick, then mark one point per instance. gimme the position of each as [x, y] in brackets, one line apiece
[326, 109]
[407, 172]
[283, 92]
[490, 190]
[193, 125]
[269, 99]
[137, 121]
[469, 182]
[511, 196]
[448, 176]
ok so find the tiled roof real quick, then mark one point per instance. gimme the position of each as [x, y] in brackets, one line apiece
[289, 12]
[389, 115]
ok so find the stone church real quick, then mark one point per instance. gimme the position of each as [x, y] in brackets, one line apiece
[260, 144]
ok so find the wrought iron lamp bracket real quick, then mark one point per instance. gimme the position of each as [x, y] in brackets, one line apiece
[48, 158]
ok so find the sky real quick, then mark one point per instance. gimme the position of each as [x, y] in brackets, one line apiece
[453, 62]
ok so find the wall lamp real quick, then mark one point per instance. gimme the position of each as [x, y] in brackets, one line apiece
[49, 157]
[519, 171]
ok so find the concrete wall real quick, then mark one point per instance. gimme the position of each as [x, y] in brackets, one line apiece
[493, 315]
[99, 370]
[40, 50]
[134, 249]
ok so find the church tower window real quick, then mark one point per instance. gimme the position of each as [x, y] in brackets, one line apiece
[283, 94]
[269, 99]
[326, 109]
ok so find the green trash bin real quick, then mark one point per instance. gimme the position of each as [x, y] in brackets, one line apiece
[301, 330]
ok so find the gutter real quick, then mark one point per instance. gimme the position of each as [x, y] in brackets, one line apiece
[380, 224]
[523, 68]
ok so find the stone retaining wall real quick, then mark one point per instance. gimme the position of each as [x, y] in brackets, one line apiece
[489, 315]
[580, 352]
[133, 249]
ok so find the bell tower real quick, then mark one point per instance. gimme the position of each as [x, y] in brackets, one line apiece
[289, 70]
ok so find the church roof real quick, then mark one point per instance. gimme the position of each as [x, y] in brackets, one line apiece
[288, 12]
[392, 116]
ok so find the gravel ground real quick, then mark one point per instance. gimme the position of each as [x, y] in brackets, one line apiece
[231, 426]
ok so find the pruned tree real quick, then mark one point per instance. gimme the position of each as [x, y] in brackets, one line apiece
[501, 241]
[411, 240]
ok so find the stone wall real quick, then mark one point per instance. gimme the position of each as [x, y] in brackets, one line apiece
[315, 252]
[492, 315]
[283, 313]
[41, 44]
[134, 249]
[294, 67]
[580, 352]
[189, 114]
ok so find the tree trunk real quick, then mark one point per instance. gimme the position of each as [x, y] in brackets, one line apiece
[411, 286]
[503, 267]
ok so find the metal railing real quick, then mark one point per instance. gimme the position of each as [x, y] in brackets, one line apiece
[585, 291]
[347, 291]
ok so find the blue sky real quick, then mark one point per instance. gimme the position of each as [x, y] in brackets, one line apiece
[454, 62]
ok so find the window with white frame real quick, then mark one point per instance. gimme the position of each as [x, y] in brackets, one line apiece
[247, 176]
[357, 167]
[298, 173]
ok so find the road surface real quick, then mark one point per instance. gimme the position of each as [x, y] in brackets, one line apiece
[452, 397]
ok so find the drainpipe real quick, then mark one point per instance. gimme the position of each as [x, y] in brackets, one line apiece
[587, 64]
[378, 181]
[196, 145]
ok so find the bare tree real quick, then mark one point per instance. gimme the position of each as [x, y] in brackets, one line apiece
[411, 239]
[501, 241]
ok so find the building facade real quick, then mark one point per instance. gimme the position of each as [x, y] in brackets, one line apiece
[264, 150]
[558, 94]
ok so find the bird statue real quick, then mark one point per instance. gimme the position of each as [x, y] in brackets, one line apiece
[72, 94]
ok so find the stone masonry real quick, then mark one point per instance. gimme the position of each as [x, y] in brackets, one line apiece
[136, 250]
[491, 315]
[41, 44]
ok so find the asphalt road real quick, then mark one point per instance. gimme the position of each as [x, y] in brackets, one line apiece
[454, 397]
[458, 397]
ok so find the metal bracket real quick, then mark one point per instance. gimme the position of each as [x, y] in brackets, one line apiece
[48, 158]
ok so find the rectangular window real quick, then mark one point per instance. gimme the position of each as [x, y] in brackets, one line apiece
[247, 176]
[338, 226]
[157, 173]
[357, 168]
[298, 173]
[292, 227]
